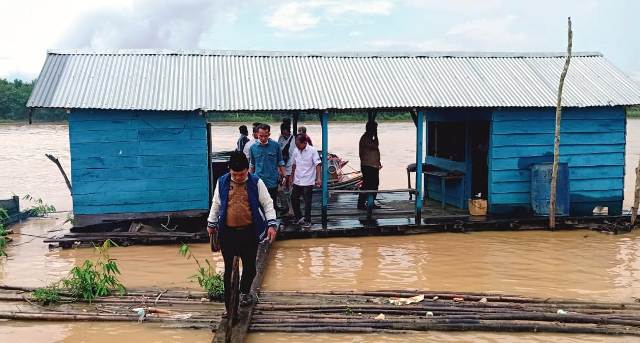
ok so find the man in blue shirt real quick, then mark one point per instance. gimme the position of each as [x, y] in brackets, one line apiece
[266, 161]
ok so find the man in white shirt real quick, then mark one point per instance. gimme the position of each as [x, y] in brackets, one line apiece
[247, 147]
[305, 173]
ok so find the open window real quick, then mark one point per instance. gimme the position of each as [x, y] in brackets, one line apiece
[447, 140]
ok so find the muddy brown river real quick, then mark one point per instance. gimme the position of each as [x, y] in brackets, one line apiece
[577, 264]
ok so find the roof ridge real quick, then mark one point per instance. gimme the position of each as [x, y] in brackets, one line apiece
[330, 54]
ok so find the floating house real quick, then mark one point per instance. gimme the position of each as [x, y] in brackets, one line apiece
[140, 145]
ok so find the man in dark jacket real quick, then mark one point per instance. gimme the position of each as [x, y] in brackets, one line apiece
[242, 215]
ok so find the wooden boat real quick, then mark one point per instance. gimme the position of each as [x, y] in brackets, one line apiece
[338, 177]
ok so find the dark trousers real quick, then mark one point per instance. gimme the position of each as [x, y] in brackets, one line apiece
[305, 192]
[371, 180]
[243, 243]
[273, 193]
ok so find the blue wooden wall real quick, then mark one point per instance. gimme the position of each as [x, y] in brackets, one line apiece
[592, 142]
[138, 161]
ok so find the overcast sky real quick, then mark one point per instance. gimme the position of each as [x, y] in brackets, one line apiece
[30, 27]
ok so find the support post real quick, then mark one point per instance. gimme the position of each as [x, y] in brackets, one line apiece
[419, 148]
[371, 115]
[212, 186]
[296, 117]
[324, 122]
[636, 198]
[556, 141]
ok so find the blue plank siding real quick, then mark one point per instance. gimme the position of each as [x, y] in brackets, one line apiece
[592, 142]
[138, 161]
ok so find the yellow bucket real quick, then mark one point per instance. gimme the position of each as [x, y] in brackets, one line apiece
[477, 207]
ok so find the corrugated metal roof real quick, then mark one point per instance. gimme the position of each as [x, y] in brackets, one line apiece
[258, 80]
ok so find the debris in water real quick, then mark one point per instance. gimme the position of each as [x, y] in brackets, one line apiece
[407, 301]
[429, 314]
[435, 297]
[483, 300]
[457, 299]
[561, 312]
[141, 313]
[380, 317]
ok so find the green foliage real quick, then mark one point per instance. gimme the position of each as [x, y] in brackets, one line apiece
[89, 281]
[47, 295]
[13, 100]
[633, 112]
[97, 279]
[210, 281]
[70, 218]
[348, 311]
[39, 208]
[266, 117]
[3, 232]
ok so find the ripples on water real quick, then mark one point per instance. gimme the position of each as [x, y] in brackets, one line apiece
[573, 264]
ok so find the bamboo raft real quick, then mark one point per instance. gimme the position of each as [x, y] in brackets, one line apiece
[347, 312]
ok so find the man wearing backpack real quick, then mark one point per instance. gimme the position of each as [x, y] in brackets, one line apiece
[287, 147]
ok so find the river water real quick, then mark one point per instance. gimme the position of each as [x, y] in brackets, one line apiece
[577, 264]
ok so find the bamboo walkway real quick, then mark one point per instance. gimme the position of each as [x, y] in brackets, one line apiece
[390, 311]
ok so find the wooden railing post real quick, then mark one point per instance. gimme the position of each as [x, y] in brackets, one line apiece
[419, 160]
[324, 121]
[636, 198]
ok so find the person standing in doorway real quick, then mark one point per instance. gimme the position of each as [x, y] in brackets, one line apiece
[369, 162]
[243, 139]
[241, 216]
[247, 146]
[305, 172]
[266, 161]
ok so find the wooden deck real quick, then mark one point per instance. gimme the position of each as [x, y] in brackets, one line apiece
[395, 217]
[14, 215]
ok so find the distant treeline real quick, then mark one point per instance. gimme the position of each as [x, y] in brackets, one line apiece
[13, 98]
[14, 95]
[252, 117]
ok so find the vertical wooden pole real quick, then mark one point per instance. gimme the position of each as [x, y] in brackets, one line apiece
[419, 148]
[209, 166]
[324, 121]
[556, 141]
[371, 115]
[296, 117]
[425, 178]
[636, 198]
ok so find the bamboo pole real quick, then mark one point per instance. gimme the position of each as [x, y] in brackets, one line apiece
[636, 198]
[556, 141]
[480, 326]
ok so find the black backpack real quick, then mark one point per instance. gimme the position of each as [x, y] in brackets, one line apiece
[285, 150]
